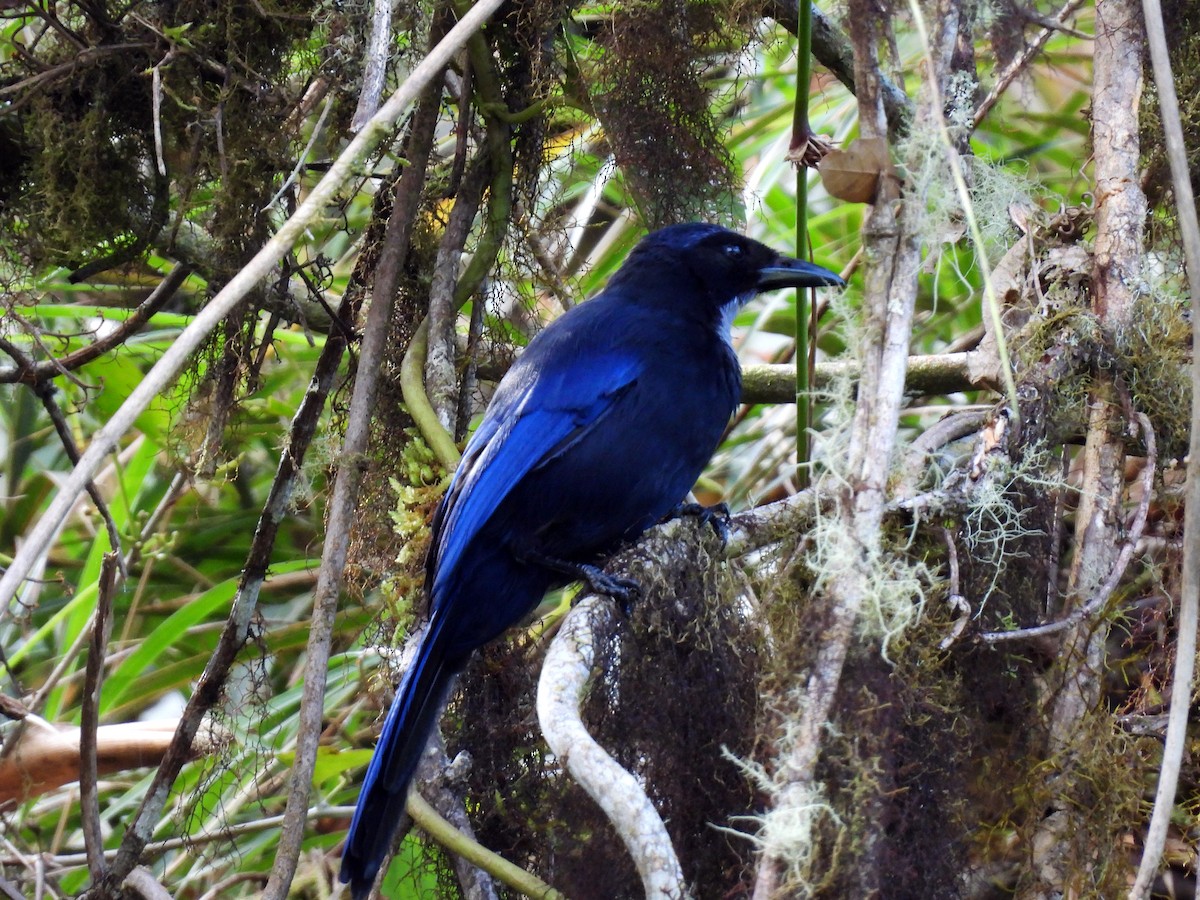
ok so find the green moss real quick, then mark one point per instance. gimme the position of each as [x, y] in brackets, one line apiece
[1154, 353]
[103, 148]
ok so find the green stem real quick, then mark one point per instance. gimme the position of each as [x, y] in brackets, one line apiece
[800, 126]
[513, 876]
[520, 117]
[412, 387]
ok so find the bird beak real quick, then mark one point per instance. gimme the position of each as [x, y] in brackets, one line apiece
[788, 272]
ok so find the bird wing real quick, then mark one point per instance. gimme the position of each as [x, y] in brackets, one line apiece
[544, 411]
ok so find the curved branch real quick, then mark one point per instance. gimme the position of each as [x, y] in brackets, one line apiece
[566, 673]
[416, 401]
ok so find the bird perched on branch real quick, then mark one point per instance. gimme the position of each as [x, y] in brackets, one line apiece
[596, 433]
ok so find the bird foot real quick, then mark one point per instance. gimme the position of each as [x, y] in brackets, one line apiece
[624, 590]
[716, 516]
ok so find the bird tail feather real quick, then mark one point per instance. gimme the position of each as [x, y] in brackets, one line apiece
[410, 721]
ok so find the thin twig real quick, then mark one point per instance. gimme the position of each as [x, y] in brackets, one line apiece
[312, 139]
[34, 864]
[1100, 598]
[45, 369]
[223, 886]
[1018, 64]
[61, 665]
[157, 848]
[344, 500]
[44, 390]
[89, 715]
[1189, 601]
[263, 263]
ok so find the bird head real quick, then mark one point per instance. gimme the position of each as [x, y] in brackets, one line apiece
[726, 267]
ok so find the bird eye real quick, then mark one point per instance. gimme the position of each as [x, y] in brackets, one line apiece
[733, 251]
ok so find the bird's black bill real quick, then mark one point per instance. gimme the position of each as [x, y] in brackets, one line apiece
[788, 272]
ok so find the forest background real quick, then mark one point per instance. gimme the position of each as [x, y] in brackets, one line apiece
[260, 264]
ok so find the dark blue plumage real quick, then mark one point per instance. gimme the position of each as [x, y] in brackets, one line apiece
[598, 431]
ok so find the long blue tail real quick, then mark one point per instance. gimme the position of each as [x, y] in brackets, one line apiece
[410, 721]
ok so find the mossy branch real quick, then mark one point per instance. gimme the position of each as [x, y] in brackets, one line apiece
[264, 262]
[566, 673]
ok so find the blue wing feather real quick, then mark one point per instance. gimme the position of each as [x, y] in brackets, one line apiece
[524, 429]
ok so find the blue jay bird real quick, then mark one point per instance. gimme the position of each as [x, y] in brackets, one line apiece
[596, 433]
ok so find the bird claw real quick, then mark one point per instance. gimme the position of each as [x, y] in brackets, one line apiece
[716, 516]
[624, 590]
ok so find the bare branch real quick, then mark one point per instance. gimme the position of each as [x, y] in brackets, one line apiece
[89, 715]
[1189, 601]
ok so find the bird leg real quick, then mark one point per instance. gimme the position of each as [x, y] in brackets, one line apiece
[716, 516]
[623, 590]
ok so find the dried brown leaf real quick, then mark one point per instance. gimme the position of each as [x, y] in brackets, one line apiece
[853, 174]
